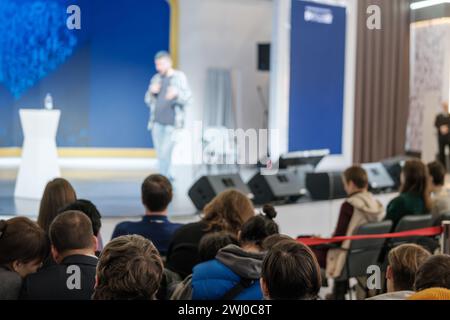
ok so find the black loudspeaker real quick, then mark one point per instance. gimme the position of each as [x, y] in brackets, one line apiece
[379, 178]
[264, 57]
[394, 167]
[325, 185]
[207, 187]
[285, 186]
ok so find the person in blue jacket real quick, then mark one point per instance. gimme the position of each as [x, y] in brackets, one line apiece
[235, 272]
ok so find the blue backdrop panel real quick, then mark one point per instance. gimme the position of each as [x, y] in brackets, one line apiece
[317, 77]
[97, 75]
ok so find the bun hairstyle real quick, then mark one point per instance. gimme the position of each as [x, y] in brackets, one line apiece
[269, 212]
[258, 228]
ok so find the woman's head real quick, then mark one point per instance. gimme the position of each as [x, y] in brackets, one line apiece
[57, 194]
[23, 245]
[259, 227]
[228, 211]
[415, 180]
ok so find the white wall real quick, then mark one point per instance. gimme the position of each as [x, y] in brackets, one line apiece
[225, 33]
[279, 103]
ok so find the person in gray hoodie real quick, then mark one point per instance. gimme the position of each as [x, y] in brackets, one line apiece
[234, 273]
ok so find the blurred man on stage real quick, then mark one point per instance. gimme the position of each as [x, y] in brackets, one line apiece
[167, 96]
[442, 124]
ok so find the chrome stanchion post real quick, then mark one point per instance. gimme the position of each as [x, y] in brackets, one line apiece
[445, 238]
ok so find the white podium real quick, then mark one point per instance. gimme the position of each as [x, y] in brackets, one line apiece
[39, 162]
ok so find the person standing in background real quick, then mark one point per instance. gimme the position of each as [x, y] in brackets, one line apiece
[442, 125]
[167, 96]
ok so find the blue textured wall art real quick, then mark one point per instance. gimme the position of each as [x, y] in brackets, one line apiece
[34, 41]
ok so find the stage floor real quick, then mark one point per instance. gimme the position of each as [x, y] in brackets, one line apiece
[116, 193]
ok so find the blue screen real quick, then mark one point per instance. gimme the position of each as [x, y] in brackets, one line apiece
[317, 77]
[97, 76]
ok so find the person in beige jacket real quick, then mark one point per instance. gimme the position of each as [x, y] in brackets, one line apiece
[359, 208]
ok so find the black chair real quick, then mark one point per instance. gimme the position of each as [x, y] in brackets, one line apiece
[364, 253]
[411, 223]
[443, 217]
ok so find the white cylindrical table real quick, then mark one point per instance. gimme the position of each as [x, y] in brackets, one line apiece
[39, 162]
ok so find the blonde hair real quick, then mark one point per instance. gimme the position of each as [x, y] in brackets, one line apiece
[404, 261]
[228, 211]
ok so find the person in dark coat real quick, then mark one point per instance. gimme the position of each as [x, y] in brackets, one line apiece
[73, 246]
[226, 212]
[442, 124]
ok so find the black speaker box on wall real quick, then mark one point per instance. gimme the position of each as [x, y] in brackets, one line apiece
[207, 187]
[285, 186]
[325, 185]
[264, 56]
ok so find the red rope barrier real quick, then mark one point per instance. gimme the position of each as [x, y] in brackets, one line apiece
[425, 232]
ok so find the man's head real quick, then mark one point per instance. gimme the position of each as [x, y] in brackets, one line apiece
[437, 173]
[404, 261]
[71, 233]
[445, 107]
[355, 179]
[290, 271]
[129, 268]
[89, 209]
[156, 192]
[434, 273]
[163, 62]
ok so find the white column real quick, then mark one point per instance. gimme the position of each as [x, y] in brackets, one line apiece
[39, 162]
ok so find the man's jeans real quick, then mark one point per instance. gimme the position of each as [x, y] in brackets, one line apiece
[163, 140]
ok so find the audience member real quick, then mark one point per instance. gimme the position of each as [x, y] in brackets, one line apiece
[226, 212]
[235, 271]
[23, 247]
[403, 264]
[89, 209]
[433, 279]
[209, 246]
[434, 273]
[73, 247]
[156, 193]
[57, 194]
[130, 268]
[274, 239]
[290, 272]
[359, 208]
[211, 243]
[414, 198]
[440, 195]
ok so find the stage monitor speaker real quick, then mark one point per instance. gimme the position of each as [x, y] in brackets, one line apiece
[285, 186]
[207, 187]
[264, 56]
[394, 167]
[325, 185]
[379, 178]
